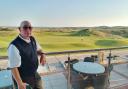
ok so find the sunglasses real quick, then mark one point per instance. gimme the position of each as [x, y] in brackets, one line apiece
[25, 28]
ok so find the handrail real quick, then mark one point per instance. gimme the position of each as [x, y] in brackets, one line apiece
[79, 51]
[89, 50]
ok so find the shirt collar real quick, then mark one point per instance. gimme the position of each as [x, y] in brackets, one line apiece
[26, 40]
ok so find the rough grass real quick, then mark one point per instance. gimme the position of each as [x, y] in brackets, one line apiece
[84, 32]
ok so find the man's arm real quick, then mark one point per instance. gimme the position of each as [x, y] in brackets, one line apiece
[42, 57]
[13, 63]
[41, 54]
[18, 79]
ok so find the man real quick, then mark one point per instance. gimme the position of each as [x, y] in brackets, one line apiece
[23, 54]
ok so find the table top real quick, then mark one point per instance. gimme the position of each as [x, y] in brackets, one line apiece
[89, 67]
[5, 78]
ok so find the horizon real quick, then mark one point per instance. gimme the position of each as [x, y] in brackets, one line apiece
[62, 27]
[64, 13]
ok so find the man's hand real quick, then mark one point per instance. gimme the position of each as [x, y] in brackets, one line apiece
[42, 59]
[22, 86]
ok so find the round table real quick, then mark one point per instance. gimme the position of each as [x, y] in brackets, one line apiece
[89, 67]
[5, 79]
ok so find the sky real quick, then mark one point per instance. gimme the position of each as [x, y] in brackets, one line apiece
[64, 13]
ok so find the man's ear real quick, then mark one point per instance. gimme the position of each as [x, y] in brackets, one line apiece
[19, 28]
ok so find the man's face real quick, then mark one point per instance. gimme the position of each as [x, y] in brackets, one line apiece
[25, 30]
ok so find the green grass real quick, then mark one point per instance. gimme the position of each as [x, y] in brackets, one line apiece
[65, 40]
[110, 42]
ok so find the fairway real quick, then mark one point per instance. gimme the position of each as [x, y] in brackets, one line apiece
[62, 40]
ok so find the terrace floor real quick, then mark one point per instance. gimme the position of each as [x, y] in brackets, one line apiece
[54, 74]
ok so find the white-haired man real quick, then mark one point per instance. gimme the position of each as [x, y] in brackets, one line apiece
[23, 54]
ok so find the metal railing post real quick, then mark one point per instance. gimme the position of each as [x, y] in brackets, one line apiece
[69, 74]
[108, 69]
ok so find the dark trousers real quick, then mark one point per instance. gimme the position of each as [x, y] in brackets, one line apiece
[34, 82]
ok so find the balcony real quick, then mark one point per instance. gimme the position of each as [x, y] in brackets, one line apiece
[58, 73]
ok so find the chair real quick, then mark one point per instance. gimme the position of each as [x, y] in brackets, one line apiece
[89, 59]
[100, 81]
[73, 61]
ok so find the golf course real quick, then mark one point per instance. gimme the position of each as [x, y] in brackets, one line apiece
[69, 38]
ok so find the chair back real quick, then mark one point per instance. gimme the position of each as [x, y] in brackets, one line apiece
[89, 59]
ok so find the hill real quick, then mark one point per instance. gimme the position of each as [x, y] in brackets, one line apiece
[83, 32]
